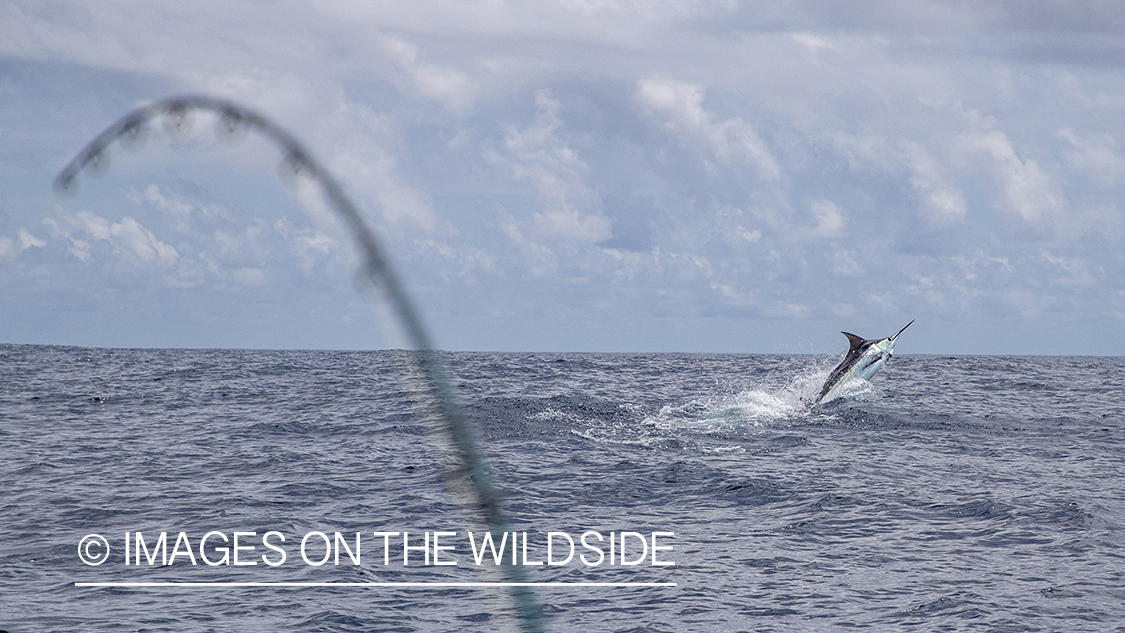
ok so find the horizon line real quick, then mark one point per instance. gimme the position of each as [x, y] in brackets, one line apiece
[555, 352]
[375, 584]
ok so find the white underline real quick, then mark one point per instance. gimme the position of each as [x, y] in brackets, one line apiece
[375, 584]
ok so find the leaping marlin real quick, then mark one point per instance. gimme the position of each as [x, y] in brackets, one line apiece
[864, 359]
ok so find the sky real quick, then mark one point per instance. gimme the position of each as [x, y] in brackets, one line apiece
[576, 175]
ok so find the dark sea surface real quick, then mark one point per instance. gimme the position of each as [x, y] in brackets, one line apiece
[960, 494]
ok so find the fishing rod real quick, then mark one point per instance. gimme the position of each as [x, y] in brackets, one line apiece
[435, 400]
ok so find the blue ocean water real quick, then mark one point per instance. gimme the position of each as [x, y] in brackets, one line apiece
[960, 493]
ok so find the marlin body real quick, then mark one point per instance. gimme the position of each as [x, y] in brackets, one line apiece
[865, 358]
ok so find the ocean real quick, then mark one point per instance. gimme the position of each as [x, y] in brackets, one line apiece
[955, 493]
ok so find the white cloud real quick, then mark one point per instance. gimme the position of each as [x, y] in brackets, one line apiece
[448, 85]
[679, 107]
[569, 224]
[311, 247]
[541, 260]
[131, 243]
[844, 264]
[539, 154]
[1095, 154]
[1070, 271]
[27, 240]
[814, 43]
[366, 163]
[1025, 191]
[829, 223]
[10, 248]
[179, 212]
[142, 242]
[942, 201]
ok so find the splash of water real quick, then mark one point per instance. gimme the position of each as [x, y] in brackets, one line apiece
[757, 407]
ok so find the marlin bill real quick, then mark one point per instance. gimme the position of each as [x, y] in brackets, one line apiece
[864, 359]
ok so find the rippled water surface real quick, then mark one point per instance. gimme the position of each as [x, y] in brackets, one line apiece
[960, 493]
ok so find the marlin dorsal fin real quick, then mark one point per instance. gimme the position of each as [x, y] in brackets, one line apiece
[853, 340]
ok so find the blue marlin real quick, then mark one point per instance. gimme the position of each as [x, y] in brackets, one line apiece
[865, 358]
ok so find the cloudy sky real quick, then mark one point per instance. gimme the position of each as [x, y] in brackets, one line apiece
[577, 175]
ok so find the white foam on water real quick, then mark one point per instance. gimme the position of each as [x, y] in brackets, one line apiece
[756, 407]
[782, 401]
